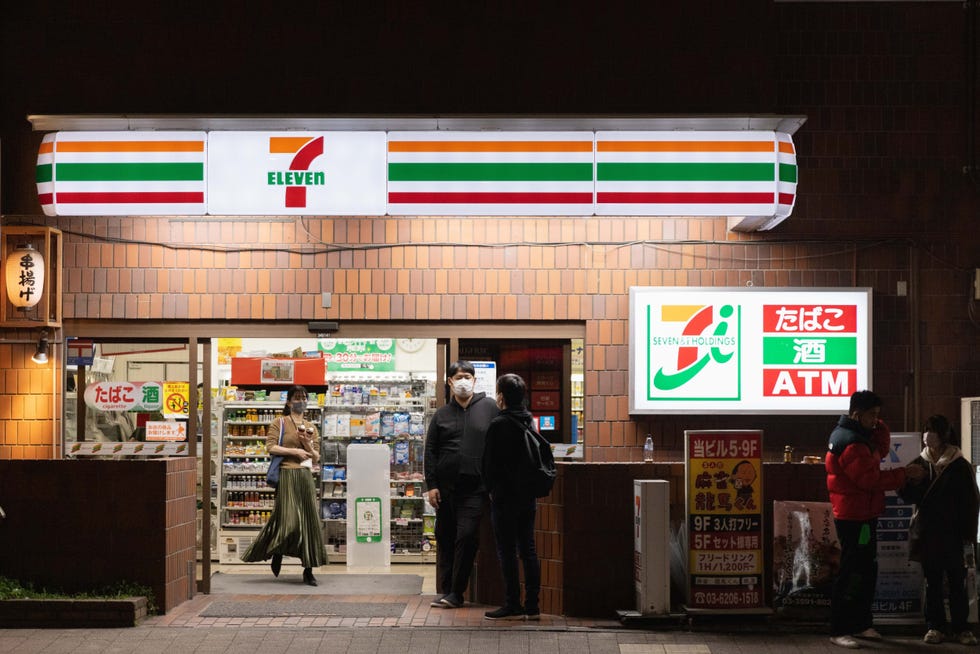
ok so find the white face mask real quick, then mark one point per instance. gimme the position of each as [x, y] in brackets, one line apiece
[463, 387]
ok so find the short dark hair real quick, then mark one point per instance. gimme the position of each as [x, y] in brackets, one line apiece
[940, 424]
[864, 401]
[514, 390]
[460, 366]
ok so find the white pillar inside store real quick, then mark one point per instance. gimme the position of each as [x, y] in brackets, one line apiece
[368, 506]
[651, 545]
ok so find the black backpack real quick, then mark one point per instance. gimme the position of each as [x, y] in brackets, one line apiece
[539, 470]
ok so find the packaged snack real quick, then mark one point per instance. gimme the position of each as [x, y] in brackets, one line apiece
[401, 452]
[372, 424]
[387, 425]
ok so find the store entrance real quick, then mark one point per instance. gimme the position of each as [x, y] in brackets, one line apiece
[360, 391]
[366, 389]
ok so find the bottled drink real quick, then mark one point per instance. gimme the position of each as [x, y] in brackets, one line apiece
[648, 448]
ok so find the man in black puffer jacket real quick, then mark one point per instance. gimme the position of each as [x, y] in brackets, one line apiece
[453, 476]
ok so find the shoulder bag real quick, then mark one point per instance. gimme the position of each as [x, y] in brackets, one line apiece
[272, 474]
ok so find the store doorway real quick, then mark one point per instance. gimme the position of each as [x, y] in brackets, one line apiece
[204, 366]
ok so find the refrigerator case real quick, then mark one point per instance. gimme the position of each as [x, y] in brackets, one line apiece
[245, 502]
[390, 408]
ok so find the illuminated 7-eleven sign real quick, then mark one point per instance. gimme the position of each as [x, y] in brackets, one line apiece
[311, 173]
[303, 150]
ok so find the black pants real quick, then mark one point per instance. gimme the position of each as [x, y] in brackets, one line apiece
[513, 530]
[958, 601]
[457, 539]
[854, 588]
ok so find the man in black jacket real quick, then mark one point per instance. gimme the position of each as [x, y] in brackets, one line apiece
[453, 477]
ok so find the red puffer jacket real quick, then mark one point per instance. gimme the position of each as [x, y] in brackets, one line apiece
[855, 480]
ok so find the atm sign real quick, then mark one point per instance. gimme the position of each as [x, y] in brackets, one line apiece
[809, 350]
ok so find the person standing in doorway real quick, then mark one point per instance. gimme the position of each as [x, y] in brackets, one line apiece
[512, 504]
[453, 460]
[293, 528]
[943, 532]
[857, 486]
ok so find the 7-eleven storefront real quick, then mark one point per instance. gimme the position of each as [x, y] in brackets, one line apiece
[395, 238]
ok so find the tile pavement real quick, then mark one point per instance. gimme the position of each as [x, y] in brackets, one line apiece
[422, 629]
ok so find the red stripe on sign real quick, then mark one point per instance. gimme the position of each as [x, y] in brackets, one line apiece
[808, 382]
[785, 198]
[160, 197]
[295, 197]
[46, 198]
[489, 198]
[809, 318]
[684, 198]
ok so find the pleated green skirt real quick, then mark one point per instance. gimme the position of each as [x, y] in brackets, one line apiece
[294, 529]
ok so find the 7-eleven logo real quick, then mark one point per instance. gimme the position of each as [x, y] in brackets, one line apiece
[692, 352]
[304, 150]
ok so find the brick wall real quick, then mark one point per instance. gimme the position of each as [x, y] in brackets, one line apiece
[403, 269]
[29, 422]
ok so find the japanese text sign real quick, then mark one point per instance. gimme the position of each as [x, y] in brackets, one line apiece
[724, 515]
[735, 350]
[124, 396]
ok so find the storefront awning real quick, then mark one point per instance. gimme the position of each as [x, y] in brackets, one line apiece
[740, 167]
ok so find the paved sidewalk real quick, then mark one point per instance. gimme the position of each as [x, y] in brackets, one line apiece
[421, 629]
[299, 637]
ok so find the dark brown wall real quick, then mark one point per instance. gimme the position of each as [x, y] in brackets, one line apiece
[584, 533]
[80, 525]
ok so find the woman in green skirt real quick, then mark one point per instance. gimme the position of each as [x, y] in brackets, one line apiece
[294, 527]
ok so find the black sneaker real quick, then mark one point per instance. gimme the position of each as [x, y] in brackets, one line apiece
[437, 602]
[451, 601]
[532, 614]
[505, 613]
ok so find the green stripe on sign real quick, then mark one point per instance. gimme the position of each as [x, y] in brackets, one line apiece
[787, 173]
[809, 350]
[490, 172]
[685, 172]
[130, 172]
[42, 173]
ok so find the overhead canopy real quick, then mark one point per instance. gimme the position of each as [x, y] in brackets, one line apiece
[739, 167]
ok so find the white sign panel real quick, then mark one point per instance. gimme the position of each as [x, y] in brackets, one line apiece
[165, 430]
[485, 378]
[899, 588]
[287, 173]
[737, 350]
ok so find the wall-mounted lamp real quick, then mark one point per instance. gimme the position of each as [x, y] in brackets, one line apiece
[32, 276]
[41, 353]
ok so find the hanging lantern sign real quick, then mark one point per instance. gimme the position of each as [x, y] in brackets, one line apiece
[24, 272]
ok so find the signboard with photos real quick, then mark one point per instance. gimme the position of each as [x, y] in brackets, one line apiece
[746, 350]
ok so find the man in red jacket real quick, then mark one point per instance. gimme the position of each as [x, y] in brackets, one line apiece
[857, 486]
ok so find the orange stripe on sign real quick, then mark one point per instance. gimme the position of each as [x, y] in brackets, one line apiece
[490, 146]
[678, 312]
[46, 148]
[287, 144]
[684, 146]
[786, 148]
[130, 146]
